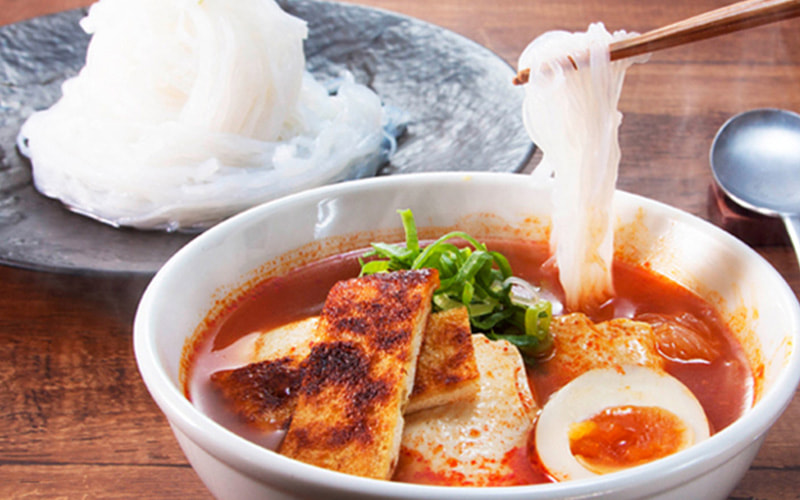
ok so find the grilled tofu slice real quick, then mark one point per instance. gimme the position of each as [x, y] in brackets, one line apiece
[481, 442]
[359, 373]
[264, 392]
[446, 371]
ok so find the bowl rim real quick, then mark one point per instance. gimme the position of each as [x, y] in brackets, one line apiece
[264, 464]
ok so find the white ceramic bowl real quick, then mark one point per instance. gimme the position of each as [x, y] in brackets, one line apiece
[342, 216]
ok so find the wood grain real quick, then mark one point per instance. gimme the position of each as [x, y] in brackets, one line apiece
[76, 420]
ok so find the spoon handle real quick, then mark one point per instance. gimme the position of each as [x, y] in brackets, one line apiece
[792, 223]
[728, 19]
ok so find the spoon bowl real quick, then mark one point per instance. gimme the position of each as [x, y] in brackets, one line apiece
[755, 159]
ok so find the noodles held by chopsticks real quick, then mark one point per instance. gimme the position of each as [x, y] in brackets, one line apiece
[570, 112]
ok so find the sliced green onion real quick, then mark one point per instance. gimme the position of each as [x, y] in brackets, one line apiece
[500, 305]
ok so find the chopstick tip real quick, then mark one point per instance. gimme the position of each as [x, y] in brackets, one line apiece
[522, 77]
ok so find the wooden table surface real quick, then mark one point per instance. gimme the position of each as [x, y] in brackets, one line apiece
[77, 422]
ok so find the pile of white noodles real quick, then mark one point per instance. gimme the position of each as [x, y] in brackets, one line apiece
[188, 111]
[572, 116]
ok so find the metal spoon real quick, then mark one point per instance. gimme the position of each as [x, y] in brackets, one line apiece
[755, 159]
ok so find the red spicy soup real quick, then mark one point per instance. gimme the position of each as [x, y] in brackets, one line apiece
[723, 386]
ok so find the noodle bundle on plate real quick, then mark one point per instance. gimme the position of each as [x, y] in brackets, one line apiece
[188, 111]
[570, 112]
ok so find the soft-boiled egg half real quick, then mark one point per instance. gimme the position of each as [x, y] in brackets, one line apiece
[609, 419]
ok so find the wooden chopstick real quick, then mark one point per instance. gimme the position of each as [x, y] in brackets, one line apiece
[729, 19]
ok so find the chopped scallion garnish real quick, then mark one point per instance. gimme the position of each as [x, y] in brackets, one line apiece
[500, 305]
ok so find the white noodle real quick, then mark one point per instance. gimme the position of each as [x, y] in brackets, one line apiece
[188, 111]
[572, 116]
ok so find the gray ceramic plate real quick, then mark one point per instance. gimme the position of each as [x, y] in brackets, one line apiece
[464, 115]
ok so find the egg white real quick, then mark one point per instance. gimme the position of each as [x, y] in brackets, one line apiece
[596, 390]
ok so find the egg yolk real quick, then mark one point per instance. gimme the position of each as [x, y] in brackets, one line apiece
[625, 436]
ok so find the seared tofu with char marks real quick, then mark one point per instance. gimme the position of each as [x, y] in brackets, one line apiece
[360, 372]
